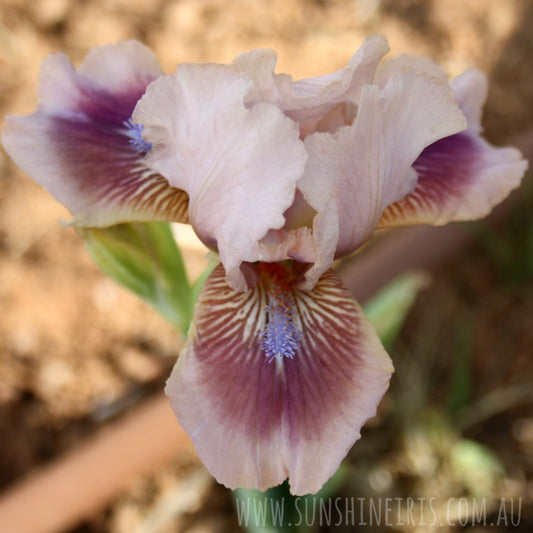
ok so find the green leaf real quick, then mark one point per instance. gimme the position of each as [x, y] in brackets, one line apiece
[145, 258]
[388, 309]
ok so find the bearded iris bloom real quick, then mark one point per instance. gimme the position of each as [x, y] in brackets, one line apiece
[281, 368]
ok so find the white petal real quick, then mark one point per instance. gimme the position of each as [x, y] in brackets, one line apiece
[259, 66]
[120, 66]
[342, 85]
[407, 62]
[123, 70]
[313, 99]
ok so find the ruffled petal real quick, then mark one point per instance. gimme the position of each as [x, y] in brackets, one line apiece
[408, 62]
[108, 83]
[239, 165]
[259, 67]
[344, 84]
[352, 175]
[121, 67]
[461, 177]
[82, 146]
[322, 103]
[275, 382]
[471, 88]
[327, 102]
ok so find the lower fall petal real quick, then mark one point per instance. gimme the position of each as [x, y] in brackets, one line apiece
[276, 382]
[82, 146]
[460, 177]
[94, 169]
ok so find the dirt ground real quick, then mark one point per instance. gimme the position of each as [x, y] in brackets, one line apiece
[75, 349]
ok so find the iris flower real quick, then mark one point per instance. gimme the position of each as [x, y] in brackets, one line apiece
[281, 368]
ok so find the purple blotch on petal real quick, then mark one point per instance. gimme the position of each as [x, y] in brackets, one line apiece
[254, 421]
[448, 162]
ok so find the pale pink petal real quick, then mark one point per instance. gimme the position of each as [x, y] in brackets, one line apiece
[239, 165]
[327, 102]
[259, 67]
[342, 85]
[471, 88]
[124, 65]
[352, 175]
[461, 177]
[407, 62]
[107, 84]
[322, 103]
[257, 418]
[82, 147]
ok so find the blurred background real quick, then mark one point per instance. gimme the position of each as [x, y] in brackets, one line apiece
[77, 351]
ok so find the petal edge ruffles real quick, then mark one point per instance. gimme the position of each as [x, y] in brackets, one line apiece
[354, 174]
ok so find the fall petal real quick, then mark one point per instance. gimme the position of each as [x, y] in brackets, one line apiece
[108, 83]
[238, 165]
[461, 177]
[257, 418]
[82, 146]
[127, 64]
[352, 175]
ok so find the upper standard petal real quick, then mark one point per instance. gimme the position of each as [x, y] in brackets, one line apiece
[354, 174]
[321, 102]
[119, 73]
[313, 99]
[238, 164]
